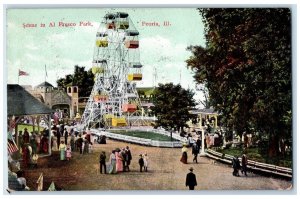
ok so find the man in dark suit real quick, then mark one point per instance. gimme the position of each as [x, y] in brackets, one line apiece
[191, 179]
[102, 162]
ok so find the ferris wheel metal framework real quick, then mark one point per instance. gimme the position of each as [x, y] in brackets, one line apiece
[114, 100]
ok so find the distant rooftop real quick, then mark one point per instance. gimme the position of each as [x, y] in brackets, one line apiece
[45, 84]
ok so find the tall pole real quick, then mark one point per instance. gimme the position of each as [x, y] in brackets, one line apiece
[202, 153]
[45, 73]
[180, 77]
[49, 135]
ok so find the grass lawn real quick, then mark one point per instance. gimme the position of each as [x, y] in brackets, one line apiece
[144, 134]
[256, 154]
[29, 127]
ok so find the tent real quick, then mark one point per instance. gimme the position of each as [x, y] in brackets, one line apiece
[21, 103]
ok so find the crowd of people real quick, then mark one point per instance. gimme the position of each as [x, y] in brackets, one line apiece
[70, 141]
[30, 144]
[120, 161]
[67, 141]
[236, 165]
[195, 145]
[63, 139]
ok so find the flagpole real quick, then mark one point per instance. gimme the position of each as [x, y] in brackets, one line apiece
[45, 72]
[18, 76]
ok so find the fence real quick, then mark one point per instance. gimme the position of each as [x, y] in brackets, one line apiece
[254, 166]
[136, 140]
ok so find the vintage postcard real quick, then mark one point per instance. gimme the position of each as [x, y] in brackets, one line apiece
[144, 99]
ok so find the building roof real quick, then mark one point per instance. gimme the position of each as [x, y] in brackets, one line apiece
[45, 84]
[21, 102]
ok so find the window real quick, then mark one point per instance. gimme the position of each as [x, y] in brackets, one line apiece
[69, 90]
[75, 90]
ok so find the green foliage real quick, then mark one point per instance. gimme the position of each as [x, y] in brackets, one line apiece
[29, 127]
[172, 106]
[257, 155]
[246, 66]
[206, 103]
[81, 78]
[144, 134]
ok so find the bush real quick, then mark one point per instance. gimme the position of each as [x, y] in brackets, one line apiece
[257, 154]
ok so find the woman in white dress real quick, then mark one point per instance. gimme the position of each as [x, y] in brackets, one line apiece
[54, 141]
[146, 162]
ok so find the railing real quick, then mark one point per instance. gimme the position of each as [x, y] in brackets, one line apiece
[136, 140]
[253, 166]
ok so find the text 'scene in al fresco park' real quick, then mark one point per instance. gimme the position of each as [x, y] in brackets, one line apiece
[89, 24]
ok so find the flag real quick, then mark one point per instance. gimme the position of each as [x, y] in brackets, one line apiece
[39, 183]
[23, 73]
[11, 146]
[46, 71]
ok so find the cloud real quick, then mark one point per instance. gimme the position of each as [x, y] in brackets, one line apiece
[32, 57]
[167, 57]
[32, 46]
[159, 48]
[57, 37]
[76, 47]
[11, 26]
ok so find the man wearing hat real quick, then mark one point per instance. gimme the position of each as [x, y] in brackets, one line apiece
[191, 179]
[102, 161]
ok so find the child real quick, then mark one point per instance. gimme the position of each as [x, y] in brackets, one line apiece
[145, 159]
[68, 153]
[141, 163]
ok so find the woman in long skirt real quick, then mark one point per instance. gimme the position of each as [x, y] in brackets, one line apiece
[68, 153]
[112, 160]
[86, 146]
[62, 149]
[119, 164]
[33, 144]
[146, 162]
[184, 155]
[54, 147]
[72, 142]
[25, 155]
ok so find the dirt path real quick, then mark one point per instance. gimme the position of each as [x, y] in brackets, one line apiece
[166, 172]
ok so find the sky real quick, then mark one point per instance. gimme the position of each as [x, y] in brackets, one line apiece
[162, 48]
[23, 43]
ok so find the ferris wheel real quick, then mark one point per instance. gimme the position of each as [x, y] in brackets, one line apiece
[116, 66]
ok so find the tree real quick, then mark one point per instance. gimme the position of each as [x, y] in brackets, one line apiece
[81, 78]
[206, 101]
[247, 67]
[172, 105]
